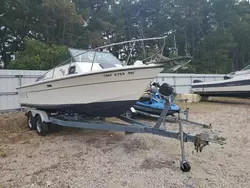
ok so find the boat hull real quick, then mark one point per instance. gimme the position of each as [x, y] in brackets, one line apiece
[98, 109]
[226, 88]
[103, 94]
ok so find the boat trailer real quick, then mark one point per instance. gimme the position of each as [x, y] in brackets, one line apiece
[40, 121]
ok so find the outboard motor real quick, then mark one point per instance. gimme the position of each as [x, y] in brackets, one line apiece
[166, 89]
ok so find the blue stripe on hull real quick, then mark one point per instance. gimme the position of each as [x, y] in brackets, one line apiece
[239, 94]
[225, 84]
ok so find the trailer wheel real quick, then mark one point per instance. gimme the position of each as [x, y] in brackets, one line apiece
[42, 128]
[185, 167]
[129, 114]
[31, 121]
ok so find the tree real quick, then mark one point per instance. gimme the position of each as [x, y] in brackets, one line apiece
[51, 21]
[57, 21]
[214, 32]
[38, 56]
[11, 19]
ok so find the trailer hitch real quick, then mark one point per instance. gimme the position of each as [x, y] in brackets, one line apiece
[201, 140]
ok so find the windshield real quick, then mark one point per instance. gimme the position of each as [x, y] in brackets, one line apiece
[246, 68]
[100, 57]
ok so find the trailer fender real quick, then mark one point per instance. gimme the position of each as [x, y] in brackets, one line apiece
[43, 114]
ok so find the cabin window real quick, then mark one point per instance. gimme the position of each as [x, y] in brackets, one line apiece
[72, 70]
[98, 57]
[106, 65]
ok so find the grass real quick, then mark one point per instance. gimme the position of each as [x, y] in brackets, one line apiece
[3, 154]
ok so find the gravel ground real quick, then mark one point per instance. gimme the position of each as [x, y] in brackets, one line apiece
[86, 158]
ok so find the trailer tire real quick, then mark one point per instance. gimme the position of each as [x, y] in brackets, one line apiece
[42, 128]
[185, 167]
[129, 114]
[31, 121]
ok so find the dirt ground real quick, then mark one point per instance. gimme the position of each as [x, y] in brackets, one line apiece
[88, 158]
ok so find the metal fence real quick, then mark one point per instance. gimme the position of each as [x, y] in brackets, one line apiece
[11, 79]
[182, 82]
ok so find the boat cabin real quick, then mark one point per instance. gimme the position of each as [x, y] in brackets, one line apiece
[82, 61]
[237, 74]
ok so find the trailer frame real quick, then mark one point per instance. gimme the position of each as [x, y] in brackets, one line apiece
[40, 121]
[133, 112]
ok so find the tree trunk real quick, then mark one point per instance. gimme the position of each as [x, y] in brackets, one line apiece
[63, 32]
[243, 58]
[186, 43]
[192, 40]
[237, 59]
[232, 66]
[6, 60]
[248, 60]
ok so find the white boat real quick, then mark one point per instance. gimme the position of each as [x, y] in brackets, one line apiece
[236, 84]
[243, 72]
[93, 83]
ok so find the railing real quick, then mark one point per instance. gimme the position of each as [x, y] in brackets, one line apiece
[70, 61]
